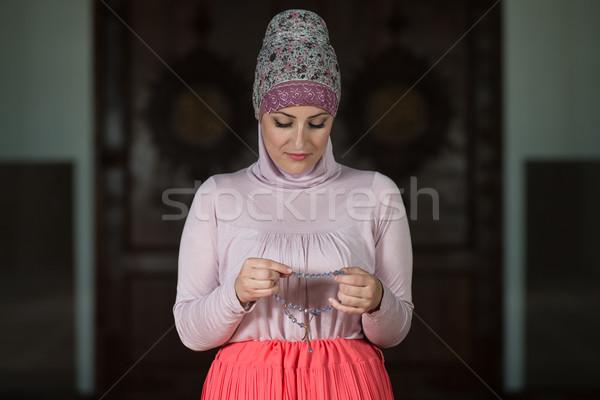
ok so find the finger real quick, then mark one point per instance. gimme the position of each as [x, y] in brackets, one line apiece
[344, 308]
[282, 269]
[351, 301]
[251, 290]
[354, 291]
[264, 274]
[263, 284]
[260, 293]
[353, 270]
[354, 279]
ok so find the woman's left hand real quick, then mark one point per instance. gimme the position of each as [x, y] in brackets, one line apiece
[359, 292]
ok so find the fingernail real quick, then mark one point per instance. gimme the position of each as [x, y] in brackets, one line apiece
[289, 270]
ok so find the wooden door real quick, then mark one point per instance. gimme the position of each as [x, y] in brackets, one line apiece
[433, 69]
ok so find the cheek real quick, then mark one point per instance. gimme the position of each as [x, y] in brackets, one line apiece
[271, 139]
[321, 143]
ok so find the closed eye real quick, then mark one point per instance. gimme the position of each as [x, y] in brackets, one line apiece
[320, 126]
[280, 125]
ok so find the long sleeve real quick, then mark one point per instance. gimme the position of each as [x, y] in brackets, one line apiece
[207, 311]
[389, 325]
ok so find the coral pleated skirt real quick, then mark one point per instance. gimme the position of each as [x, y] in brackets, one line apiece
[339, 369]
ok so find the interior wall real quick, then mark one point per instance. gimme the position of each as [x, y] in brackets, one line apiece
[551, 64]
[46, 113]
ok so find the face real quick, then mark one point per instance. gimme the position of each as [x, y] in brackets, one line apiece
[296, 137]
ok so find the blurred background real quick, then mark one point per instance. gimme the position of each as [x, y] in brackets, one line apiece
[490, 129]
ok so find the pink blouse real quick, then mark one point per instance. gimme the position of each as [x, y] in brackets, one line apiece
[348, 218]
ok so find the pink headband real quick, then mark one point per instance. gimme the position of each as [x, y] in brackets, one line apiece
[299, 93]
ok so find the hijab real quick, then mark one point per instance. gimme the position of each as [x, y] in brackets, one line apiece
[269, 173]
[296, 66]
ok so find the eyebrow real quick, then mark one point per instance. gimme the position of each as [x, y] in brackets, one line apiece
[293, 117]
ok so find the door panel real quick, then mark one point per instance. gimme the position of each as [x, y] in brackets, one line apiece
[441, 144]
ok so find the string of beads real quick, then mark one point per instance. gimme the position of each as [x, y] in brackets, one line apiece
[313, 312]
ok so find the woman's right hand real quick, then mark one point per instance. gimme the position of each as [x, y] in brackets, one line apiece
[259, 277]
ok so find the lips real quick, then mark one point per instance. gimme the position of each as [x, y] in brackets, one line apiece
[298, 156]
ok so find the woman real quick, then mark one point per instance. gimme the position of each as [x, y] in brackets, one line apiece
[298, 266]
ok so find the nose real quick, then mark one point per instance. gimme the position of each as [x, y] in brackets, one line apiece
[299, 139]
